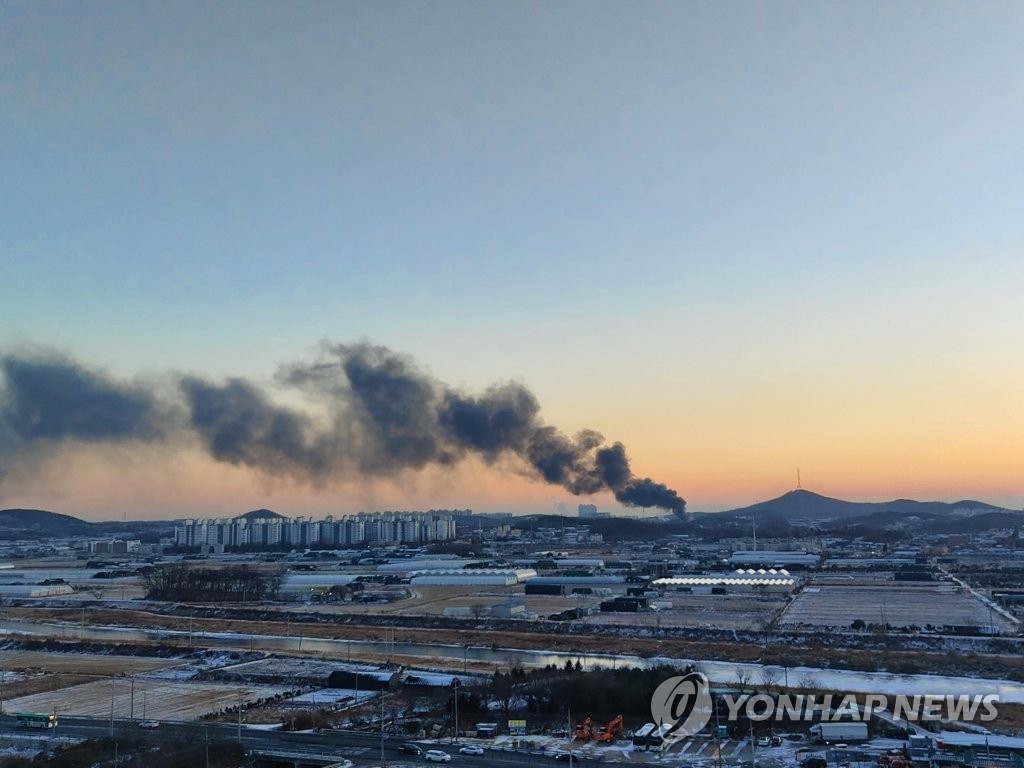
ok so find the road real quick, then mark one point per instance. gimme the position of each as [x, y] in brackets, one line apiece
[360, 748]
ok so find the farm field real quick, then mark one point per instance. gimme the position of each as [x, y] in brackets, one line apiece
[935, 604]
[151, 699]
[81, 663]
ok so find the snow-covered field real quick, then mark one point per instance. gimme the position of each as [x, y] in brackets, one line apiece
[328, 698]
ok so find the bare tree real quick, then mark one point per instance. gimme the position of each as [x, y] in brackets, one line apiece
[810, 682]
[742, 678]
[769, 678]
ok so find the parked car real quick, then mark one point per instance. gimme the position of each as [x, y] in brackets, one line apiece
[437, 756]
[410, 749]
[814, 762]
[149, 724]
[764, 741]
[470, 749]
[776, 741]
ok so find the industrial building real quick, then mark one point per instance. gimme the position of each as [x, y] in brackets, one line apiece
[596, 580]
[774, 558]
[459, 577]
[776, 580]
[439, 563]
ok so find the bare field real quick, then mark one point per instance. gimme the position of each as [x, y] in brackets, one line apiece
[152, 699]
[81, 663]
[936, 604]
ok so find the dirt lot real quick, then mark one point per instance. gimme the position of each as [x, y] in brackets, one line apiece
[142, 698]
[81, 663]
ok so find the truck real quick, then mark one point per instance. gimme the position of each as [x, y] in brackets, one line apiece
[833, 732]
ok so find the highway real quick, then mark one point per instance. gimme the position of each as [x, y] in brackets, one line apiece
[360, 748]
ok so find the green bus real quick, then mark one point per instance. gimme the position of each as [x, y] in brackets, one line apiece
[37, 719]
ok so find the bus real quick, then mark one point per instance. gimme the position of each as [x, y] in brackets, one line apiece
[37, 719]
[656, 738]
[641, 734]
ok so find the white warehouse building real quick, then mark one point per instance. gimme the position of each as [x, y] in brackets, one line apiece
[771, 579]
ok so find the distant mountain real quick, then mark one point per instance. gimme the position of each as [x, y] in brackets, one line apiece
[806, 505]
[38, 523]
[259, 514]
[945, 523]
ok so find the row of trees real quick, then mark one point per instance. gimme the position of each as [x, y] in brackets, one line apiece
[600, 693]
[240, 583]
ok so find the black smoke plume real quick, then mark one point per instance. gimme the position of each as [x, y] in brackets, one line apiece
[46, 399]
[372, 412]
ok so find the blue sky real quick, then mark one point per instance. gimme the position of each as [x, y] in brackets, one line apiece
[739, 237]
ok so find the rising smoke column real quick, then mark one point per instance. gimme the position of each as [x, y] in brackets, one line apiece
[372, 412]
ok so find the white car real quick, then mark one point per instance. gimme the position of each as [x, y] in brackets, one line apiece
[437, 756]
[471, 749]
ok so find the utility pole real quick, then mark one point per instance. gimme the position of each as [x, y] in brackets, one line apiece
[456, 684]
[239, 718]
[718, 737]
[132, 716]
[382, 763]
[568, 725]
[111, 707]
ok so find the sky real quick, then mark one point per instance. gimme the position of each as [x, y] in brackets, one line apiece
[741, 238]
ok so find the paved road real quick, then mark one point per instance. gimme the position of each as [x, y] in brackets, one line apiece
[361, 748]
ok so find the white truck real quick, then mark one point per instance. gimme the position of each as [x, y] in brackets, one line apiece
[834, 732]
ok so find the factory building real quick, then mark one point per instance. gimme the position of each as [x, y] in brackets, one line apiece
[773, 558]
[458, 577]
[775, 580]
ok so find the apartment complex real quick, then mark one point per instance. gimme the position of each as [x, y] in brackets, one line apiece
[346, 531]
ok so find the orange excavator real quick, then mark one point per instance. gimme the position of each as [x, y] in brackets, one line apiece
[585, 731]
[611, 731]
